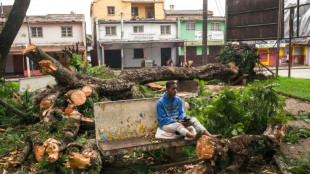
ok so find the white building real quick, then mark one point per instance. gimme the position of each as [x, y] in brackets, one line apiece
[142, 40]
[51, 33]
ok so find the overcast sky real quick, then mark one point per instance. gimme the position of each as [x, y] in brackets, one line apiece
[42, 7]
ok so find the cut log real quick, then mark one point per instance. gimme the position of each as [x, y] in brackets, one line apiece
[87, 124]
[76, 160]
[156, 87]
[39, 152]
[49, 100]
[88, 159]
[87, 90]
[52, 149]
[48, 66]
[78, 97]
[69, 109]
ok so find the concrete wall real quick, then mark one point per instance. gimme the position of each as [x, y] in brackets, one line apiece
[51, 34]
[134, 118]
[151, 32]
[36, 83]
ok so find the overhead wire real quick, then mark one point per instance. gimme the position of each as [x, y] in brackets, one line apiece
[221, 7]
[218, 8]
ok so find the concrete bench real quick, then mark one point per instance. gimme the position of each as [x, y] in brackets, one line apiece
[129, 126]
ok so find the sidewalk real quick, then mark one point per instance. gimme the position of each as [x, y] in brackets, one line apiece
[284, 67]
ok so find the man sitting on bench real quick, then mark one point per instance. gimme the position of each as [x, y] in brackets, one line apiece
[172, 118]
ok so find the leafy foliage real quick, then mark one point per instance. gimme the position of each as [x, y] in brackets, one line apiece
[245, 57]
[101, 72]
[12, 139]
[83, 67]
[142, 91]
[238, 111]
[7, 117]
[299, 165]
[45, 166]
[88, 108]
[293, 135]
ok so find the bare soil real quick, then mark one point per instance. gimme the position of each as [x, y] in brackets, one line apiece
[294, 106]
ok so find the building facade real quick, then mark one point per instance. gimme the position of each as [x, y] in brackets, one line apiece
[142, 41]
[190, 29]
[51, 33]
[134, 34]
[300, 52]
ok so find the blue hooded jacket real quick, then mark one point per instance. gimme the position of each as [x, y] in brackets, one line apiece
[169, 110]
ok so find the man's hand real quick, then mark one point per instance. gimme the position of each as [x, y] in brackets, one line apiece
[184, 123]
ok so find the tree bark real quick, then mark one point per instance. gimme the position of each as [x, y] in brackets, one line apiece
[10, 30]
[112, 88]
[239, 153]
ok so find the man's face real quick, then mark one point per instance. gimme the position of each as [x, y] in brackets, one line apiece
[172, 90]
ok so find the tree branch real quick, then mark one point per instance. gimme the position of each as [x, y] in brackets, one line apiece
[13, 109]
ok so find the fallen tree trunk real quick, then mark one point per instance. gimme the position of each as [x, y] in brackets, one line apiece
[239, 153]
[122, 84]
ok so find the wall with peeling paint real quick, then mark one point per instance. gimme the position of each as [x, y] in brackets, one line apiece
[125, 119]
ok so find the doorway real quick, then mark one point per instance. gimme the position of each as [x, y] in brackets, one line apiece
[165, 55]
[112, 58]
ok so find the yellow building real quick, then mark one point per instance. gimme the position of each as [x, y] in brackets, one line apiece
[131, 9]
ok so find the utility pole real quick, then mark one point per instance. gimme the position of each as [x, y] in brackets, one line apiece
[122, 34]
[29, 40]
[205, 33]
[290, 40]
[279, 36]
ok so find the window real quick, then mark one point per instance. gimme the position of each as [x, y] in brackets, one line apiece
[111, 10]
[36, 32]
[138, 53]
[165, 29]
[190, 26]
[134, 11]
[110, 30]
[138, 29]
[215, 26]
[66, 31]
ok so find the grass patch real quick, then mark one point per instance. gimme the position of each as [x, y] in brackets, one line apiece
[292, 86]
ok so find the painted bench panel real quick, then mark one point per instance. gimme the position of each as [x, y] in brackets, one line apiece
[129, 126]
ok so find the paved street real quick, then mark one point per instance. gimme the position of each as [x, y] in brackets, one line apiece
[297, 73]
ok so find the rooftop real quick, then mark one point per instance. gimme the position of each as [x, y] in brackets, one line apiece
[57, 18]
[136, 21]
[186, 12]
[5, 10]
[213, 18]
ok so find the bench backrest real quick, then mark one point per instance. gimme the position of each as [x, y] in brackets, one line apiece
[125, 119]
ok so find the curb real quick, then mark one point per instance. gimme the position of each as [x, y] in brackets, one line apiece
[294, 97]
